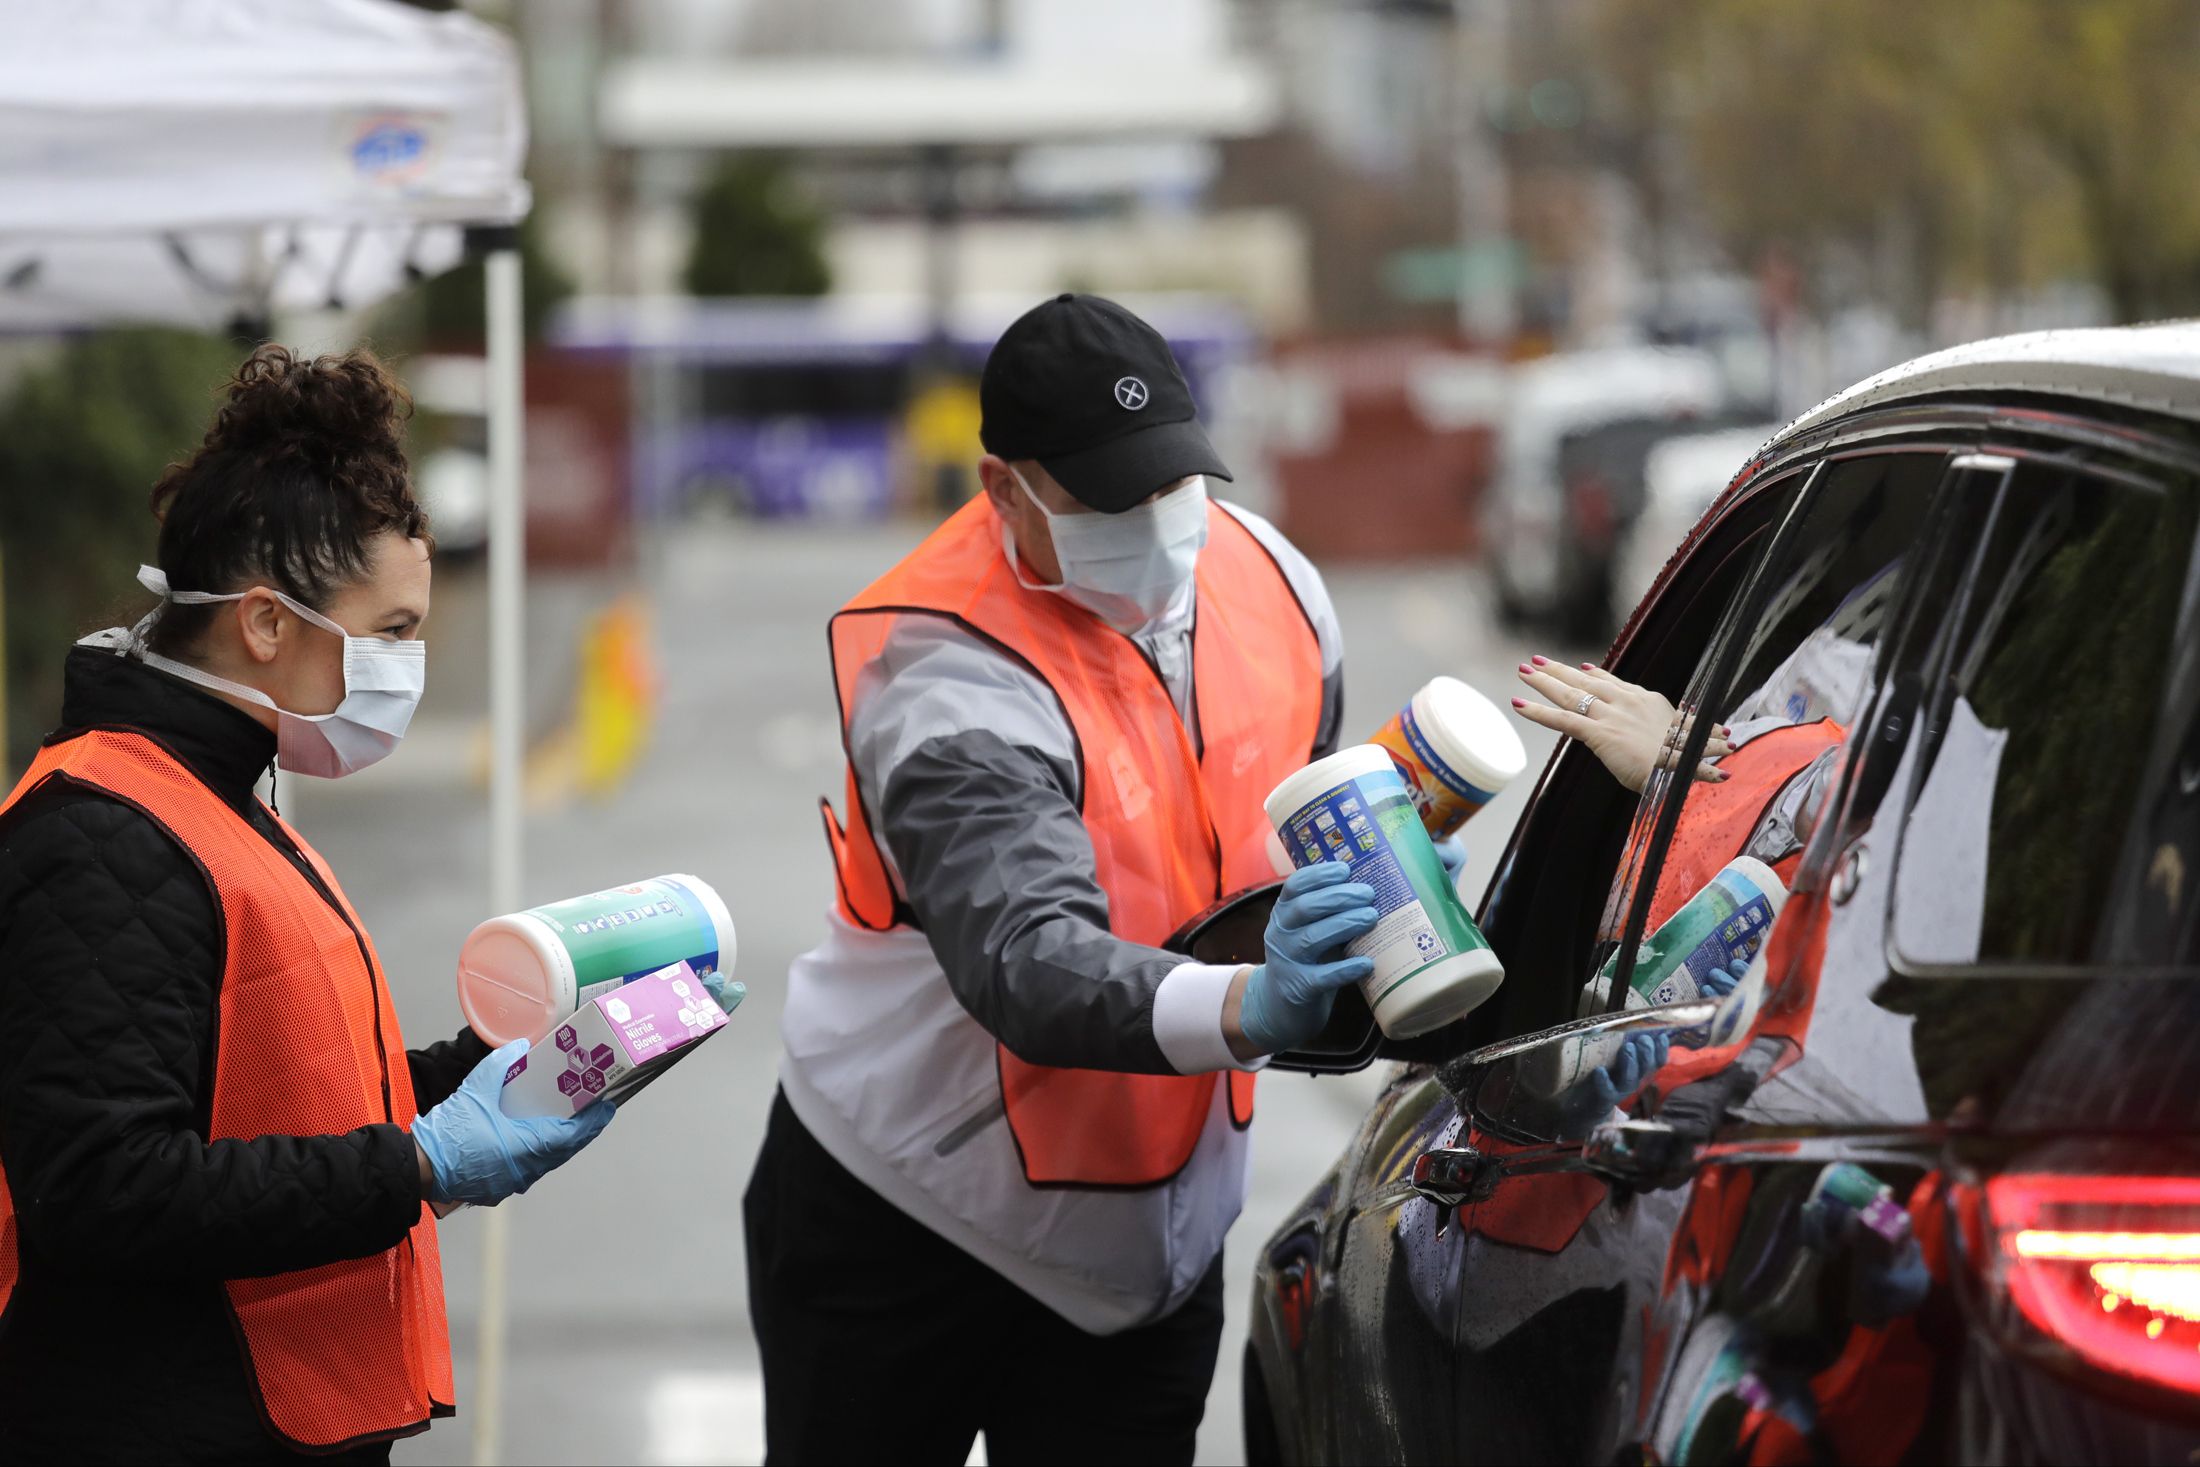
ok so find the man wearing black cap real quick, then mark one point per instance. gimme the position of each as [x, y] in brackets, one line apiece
[1011, 1128]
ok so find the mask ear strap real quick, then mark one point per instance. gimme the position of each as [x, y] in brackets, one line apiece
[1016, 563]
[1008, 534]
[1025, 485]
[155, 580]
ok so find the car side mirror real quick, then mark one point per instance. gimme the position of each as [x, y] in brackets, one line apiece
[1559, 1085]
[1234, 930]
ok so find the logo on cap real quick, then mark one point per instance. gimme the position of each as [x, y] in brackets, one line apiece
[1131, 393]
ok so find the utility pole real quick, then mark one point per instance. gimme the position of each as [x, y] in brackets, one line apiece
[1487, 310]
[615, 167]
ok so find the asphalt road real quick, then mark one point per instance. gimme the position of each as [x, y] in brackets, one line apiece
[629, 1336]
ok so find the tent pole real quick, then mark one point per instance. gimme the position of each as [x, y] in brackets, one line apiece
[507, 660]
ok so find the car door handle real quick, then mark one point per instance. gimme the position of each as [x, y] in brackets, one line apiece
[1451, 1177]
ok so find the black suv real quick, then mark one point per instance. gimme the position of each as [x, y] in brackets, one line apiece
[1926, 1185]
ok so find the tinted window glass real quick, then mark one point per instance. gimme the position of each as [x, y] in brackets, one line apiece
[1541, 913]
[2042, 715]
[1804, 671]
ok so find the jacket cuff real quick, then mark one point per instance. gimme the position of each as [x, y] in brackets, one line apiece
[1187, 1019]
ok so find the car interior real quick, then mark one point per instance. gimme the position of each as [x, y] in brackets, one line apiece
[1565, 859]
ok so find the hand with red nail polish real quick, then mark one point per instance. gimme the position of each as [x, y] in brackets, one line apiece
[1632, 730]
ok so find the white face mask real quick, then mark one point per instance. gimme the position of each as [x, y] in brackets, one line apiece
[1129, 568]
[382, 685]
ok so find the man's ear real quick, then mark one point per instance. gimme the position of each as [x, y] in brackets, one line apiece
[999, 482]
[259, 624]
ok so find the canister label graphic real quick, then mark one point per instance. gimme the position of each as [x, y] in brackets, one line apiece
[1444, 798]
[1369, 822]
[618, 935]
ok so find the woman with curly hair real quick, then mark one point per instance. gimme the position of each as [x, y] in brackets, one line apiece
[220, 1168]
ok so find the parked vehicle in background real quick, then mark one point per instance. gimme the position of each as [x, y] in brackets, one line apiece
[829, 408]
[1926, 1185]
[1681, 476]
[453, 484]
[1548, 546]
[1601, 471]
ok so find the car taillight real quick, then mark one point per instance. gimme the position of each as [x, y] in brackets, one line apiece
[2103, 1268]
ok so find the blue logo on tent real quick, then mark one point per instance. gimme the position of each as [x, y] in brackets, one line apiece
[390, 149]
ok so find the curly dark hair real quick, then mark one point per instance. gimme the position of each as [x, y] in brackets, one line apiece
[302, 470]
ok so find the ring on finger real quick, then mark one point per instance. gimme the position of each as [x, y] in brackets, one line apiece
[1582, 708]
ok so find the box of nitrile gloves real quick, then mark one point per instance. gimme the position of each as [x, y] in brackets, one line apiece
[613, 1045]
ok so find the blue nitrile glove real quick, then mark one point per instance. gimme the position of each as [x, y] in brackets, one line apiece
[1720, 982]
[476, 1153]
[1453, 852]
[723, 991]
[1287, 999]
[1597, 1093]
[1888, 1276]
[1885, 1287]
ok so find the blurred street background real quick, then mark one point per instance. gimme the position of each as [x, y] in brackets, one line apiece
[1483, 300]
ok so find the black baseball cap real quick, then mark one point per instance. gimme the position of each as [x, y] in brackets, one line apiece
[1092, 393]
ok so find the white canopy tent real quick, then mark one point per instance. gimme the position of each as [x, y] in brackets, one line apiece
[202, 162]
[165, 161]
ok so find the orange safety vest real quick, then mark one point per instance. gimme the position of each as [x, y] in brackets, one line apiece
[307, 1045]
[1715, 826]
[1172, 830]
[1719, 817]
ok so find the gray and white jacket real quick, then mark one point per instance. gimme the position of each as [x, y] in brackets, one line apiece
[968, 768]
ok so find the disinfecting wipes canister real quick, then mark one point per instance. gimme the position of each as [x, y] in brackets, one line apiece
[1432, 963]
[521, 973]
[1728, 919]
[1455, 751]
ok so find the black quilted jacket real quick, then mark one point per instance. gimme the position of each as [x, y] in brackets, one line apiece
[118, 1343]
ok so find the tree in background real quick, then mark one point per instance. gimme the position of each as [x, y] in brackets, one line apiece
[82, 438]
[755, 234]
[1911, 148]
[2104, 93]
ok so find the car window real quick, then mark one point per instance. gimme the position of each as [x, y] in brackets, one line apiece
[2038, 578]
[1802, 670]
[1541, 910]
[2042, 713]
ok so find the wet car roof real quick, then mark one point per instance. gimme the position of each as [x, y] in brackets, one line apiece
[2154, 367]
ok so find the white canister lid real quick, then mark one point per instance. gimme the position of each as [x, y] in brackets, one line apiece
[1300, 789]
[1469, 733]
[515, 979]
